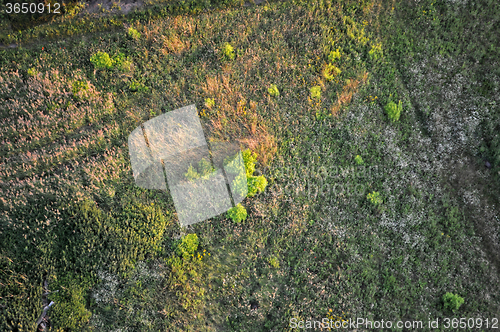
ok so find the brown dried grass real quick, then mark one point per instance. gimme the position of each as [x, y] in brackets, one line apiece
[348, 91]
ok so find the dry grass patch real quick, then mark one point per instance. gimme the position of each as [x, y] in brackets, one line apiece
[348, 91]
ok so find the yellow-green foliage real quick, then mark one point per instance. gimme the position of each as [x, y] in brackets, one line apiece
[209, 102]
[187, 245]
[359, 160]
[331, 71]
[121, 62]
[101, 60]
[69, 311]
[79, 87]
[274, 262]
[133, 33]
[256, 185]
[228, 52]
[376, 51]
[32, 72]
[273, 90]
[138, 87]
[249, 160]
[452, 301]
[315, 92]
[374, 198]
[204, 170]
[354, 32]
[394, 111]
[334, 55]
[237, 213]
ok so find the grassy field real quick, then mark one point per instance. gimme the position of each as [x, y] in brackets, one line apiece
[365, 215]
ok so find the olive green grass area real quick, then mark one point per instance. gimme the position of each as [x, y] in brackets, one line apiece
[371, 123]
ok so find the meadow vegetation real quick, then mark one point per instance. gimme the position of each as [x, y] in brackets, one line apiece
[365, 127]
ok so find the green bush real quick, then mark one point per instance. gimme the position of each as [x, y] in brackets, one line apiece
[79, 86]
[273, 90]
[32, 72]
[237, 213]
[138, 87]
[133, 33]
[121, 62]
[187, 245]
[228, 52]
[334, 55]
[331, 71]
[253, 184]
[394, 111]
[256, 184]
[101, 60]
[359, 160]
[249, 159]
[376, 51]
[452, 301]
[315, 92]
[204, 170]
[273, 260]
[209, 102]
[374, 198]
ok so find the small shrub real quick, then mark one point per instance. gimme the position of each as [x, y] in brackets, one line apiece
[191, 174]
[249, 159]
[228, 52]
[79, 86]
[187, 245]
[121, 62]
[394, 111]
[240, 185]
[138, 87]
[133, 33]
[374, 198]
[359, 160]
[376, 51]
[237, 213]
[452, 301]
[273, 90]
[209, 102]
[101, 60]
[274, 262]
[32, 72]
[331, 71]
[256, 184]
[334, 55]
[316, 92]
[204, 170]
